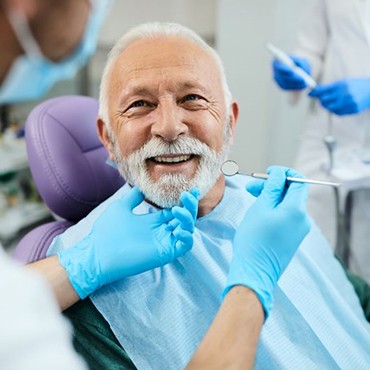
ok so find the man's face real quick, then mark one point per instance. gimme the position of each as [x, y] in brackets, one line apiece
[170, 130]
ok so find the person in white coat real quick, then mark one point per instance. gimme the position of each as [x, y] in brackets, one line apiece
[334, 47]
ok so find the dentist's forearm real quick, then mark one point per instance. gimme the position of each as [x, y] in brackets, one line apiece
[57, 277]
[231, 341]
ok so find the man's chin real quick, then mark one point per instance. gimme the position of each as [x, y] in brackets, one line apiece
[164, 193]
[162, 201]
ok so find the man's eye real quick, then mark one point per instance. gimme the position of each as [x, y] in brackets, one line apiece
[137, 104]
[191, 97]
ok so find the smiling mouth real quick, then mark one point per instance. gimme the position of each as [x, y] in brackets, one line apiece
[172, 159]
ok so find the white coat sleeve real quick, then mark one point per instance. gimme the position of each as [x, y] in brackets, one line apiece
[34, 335]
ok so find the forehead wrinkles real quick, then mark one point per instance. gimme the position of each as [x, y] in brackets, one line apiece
[160, 56]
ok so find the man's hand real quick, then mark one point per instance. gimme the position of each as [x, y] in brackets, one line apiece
[122, 243]
[269, 235]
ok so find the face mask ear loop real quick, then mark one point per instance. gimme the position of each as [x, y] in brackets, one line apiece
[20, 26]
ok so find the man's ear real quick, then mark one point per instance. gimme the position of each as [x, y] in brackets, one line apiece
[234, 115]
[103, 134]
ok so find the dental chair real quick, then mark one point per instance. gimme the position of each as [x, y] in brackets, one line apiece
[68, 165]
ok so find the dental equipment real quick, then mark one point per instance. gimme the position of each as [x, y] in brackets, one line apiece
[330, 143]
[231, 168]
[288, 61]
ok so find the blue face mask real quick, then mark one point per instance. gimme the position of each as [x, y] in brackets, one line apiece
[32, 74]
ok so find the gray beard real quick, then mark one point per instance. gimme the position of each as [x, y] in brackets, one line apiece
[166, 191]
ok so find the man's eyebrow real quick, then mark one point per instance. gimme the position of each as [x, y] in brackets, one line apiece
[190, 85]
[145, 91]
[137, 90]
[134, 91]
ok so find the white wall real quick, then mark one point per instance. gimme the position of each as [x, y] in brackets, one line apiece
[198, 15]
[268, 128]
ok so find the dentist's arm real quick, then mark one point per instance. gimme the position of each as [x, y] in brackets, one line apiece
[231, 341]
[56, 276]
[264, 244]
[120, 244]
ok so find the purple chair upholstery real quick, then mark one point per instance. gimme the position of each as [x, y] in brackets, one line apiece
[34, 245]
[67, 162]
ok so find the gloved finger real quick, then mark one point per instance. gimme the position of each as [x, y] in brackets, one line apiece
[328, 100]
[295, 205]
[326, 91]
[184, 242]
[165, 215]
[275, 168]
[255, 187]
[335, 107]
[185, 218]
[274, 188]
[172, 224]
[293, 173]
[133, 198]
[159, 217]
[189, 200]
[302, 63]
[295, 83]
[281, 68]
[296, 193]
[318, 91]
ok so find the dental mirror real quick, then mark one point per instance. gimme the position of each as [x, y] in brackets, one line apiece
[231, 168]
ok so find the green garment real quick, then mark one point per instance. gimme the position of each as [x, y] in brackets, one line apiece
[96, 343]
[362, 290]
[94, 340]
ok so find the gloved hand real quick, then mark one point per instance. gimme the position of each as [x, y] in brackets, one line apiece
[122, 243]
[269, 235]
[343, 97]
[286, 78]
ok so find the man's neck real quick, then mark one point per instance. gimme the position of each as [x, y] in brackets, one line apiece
[213, 197]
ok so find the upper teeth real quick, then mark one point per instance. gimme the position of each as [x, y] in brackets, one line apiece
[180, 158]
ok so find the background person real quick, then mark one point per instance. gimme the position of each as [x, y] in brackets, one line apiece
[34, 334]
[333, 44]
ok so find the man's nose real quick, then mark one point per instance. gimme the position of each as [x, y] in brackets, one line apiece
[169, 124]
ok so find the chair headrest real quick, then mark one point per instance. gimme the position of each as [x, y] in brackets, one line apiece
[66, 157]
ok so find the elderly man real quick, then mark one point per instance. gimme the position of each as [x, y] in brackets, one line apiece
[167, 118]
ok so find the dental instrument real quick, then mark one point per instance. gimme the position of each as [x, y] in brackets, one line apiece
[231, 168]
[330, 143]
[287, 60]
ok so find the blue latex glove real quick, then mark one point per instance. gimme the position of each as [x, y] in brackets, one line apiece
[269, 235]
[343, 97]
[122, 243]
[286, 78]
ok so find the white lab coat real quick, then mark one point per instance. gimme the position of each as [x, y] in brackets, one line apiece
[335, 38]
[34, 335]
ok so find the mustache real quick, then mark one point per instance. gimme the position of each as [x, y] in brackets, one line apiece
[183, 145]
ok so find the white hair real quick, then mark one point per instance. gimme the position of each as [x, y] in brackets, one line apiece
[153, 30]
